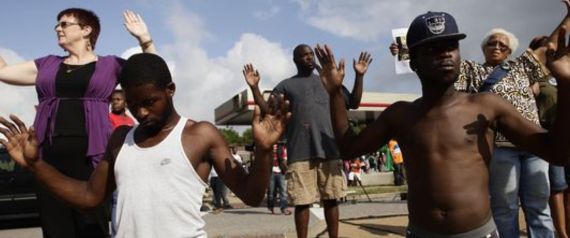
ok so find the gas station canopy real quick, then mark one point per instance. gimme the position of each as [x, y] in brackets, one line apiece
[238, 110]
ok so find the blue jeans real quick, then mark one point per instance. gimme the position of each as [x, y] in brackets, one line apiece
[277, 184]
[517, 174]
[557, 178]
[220, 192]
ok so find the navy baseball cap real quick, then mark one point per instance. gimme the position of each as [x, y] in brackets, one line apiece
[430, 27]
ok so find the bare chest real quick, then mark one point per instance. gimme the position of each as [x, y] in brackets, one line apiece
[445, 132]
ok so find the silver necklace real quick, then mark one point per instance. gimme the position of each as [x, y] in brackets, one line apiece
[69, 68]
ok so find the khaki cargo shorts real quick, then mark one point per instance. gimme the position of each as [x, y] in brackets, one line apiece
[314, 180]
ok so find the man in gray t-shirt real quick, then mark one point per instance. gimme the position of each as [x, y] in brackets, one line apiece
[315, 168]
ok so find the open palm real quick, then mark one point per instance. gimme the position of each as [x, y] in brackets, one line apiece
[251, 75]
[331, 74]
[361, 66]
[267, 129]
[21, 143]
[135, 24]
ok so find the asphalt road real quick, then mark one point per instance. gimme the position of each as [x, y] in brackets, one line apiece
[258, 222]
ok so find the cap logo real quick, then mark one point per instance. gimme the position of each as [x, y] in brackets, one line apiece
[436, 24]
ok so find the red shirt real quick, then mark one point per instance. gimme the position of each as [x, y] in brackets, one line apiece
[119, 120]
[355, 166]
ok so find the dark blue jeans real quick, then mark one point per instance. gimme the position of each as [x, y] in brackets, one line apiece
[277, 185]
[220, 192]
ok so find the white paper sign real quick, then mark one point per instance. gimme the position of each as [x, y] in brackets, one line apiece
[402, 59]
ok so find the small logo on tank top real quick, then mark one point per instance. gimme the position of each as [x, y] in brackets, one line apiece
[165, 161]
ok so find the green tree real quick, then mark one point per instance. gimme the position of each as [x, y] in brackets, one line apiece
[247, 136]
[231, 136]
[356, 127]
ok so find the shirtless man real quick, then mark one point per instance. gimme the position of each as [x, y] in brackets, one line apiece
[159, 167]
[447, 136]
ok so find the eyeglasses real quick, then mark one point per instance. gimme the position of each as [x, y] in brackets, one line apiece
[65, 24]
[497, 44]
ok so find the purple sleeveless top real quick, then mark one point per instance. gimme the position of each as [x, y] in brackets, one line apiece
[95, 101]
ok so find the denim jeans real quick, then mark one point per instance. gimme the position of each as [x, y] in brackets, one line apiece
[220, 192]
[557, 178]
[399, 177]
[517, 174]
[277, 185]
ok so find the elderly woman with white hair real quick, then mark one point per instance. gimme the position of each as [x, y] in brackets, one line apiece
[514, 174]
[497, 45]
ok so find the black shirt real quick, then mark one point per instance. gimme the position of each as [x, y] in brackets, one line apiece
[71, 83]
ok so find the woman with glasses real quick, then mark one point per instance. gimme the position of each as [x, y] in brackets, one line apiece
[514, 174]
[72, 122]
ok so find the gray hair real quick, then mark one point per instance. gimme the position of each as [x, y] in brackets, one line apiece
[513, 41]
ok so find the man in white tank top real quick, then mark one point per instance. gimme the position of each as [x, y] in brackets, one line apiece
[159, 167]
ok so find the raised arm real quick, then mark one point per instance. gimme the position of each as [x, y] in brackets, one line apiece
[21, 144]
[252, 79]
[350, 145]
[22, 74]
[136, 26]
[558, 62]
[553, 38]
[360, 68]
[267, 130]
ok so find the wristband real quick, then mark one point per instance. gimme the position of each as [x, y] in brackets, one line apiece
[146, 44]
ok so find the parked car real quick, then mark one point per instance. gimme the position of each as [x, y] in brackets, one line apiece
[18, 199]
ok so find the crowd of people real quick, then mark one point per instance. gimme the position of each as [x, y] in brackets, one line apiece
[499, 141]
[388, 158]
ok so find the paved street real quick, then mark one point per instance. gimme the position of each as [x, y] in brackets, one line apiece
[259, 222]
[252, 222]
[385, 216]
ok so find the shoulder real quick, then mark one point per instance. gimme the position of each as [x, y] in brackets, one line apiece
[466, 64]
[284, 83]
[192, 125]
[201, 136]
[487, 102]
[395, 113]
[297, 79]
[513, 62]
[401, 106]
[526, 59]
[112, 60]
[200, 129]
[483, 97]
[49, 59]
[117, 140]
[286, 86]
[119, 134]
[526, 55]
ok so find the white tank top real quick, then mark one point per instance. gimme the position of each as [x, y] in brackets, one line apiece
[160, 193]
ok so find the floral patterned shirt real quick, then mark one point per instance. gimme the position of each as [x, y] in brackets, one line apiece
[514, 87]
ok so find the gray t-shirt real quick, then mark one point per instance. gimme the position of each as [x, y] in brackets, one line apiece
[309, 131]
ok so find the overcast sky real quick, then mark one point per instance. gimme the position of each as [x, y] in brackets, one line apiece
[206, 43]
